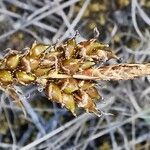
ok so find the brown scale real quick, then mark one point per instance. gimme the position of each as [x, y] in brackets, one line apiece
[67, 72]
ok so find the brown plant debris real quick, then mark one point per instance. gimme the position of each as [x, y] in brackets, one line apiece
[67, 72]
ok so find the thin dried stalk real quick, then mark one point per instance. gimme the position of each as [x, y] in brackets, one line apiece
[116, 72]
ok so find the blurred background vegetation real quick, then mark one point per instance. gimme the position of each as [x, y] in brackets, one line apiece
[125, 26]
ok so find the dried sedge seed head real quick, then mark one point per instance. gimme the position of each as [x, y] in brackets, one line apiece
[67, 71]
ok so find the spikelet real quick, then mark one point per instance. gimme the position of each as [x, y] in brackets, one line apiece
[67, 72]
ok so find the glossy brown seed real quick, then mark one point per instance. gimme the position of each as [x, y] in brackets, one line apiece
[54, 93]
[12, 61]
[34, 63]
[70, 85]
[5, 77]
[69, 102]
[38, 49]
[29, 64]
[24, 77]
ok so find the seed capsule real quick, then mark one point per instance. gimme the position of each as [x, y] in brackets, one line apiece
[54, 93]
[88, 47]
[94, 50]
[70, 85]
[87, 64]
[28, 64]
[69, 102]
[38, 49]
[34, 63]
[41, 71]
[93, 93]
[24, 78]
[47, 63]
[5, 77]
[12, 61]
[87, 103]
[70, 48]
[71, 65]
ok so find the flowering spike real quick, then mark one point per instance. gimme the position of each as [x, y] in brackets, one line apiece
[68, 72]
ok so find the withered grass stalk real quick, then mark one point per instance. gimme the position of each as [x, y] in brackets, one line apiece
[68, 72]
